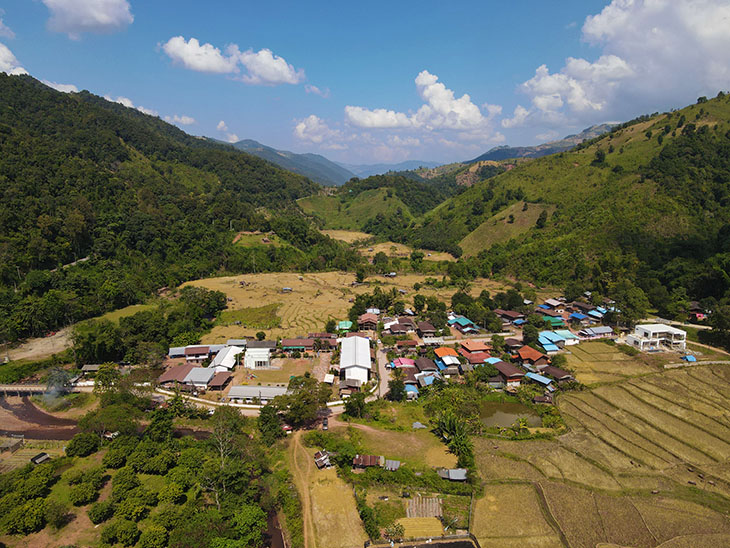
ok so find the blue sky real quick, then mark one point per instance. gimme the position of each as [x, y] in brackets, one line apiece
[377, 81]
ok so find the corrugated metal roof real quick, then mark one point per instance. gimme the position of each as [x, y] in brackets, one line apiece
[355, 352]
[538, 378]
[251, 392]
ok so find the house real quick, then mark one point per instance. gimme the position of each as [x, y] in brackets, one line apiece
[446, 362]
[470, 346]
[175, 375]
[433, 341]
[556, 373]
[220, 380]
[408, 322]
[196, 354]
[513, 344]
[90, 369]
[556, 305]
[373, 310]
[237, 342]
[551, 342]
[411, 391]
[451, 371]
[256, 358]
[453, 474]
[425, 364]
[548, 399]
[368, 322]
[529, 355]
[466, 368]
[427, 378]
[653, 336]
[226, 359]
[600, 332]
[539, 379]
[445, 351]
[322, 459]
[249, 394]
[262, 344]
[475, 358]
[464, 325]
[426, 329]
[581, 307]
[176, 352]
[511, 374]
[392, 465]
[344, 326]
[398, 329]
[367, 461]
[355, 359]
[301, 345]
[508, 316]
[327, 340]
[569, 338]
[405, 345]
[199, 377]
[496, 382]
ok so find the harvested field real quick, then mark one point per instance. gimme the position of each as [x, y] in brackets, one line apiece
[422, 527]
[498, 507]
[595, 362]
[668, 518]
[424, 507]
[315, 298]
[347, 236]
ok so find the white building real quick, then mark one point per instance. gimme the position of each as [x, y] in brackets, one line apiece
[653, 336]
[226, 359]
[355, 362]
[199, 377]
[257, 357]
[250, 394]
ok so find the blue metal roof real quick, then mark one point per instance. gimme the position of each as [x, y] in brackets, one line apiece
[411, 388]
[551, 336]
[595, 314]
[493, 360]
[461, 320]
[578, 316]
[519, 322]
[565, 334]
[601, 309]
[439, 364]
[550, 347]
[543, 306]
[538, 378]
[689, 358]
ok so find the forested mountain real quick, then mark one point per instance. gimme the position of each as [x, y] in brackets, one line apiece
[646, 204]
[506, 152]
[368, 170]
[316, 167]
[147, 204]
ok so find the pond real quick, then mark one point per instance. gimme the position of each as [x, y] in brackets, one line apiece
[504, 414]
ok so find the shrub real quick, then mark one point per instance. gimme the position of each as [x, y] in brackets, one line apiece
[127, 533]
[172, 493]
[101, 511]
[83, 493]
[115, 458]
[181, 476]
[82, 444]
[132, 509]
[56, 514]
[73, 476]
[26, 519]
[95, 477]
[154, 537]
[124, 481]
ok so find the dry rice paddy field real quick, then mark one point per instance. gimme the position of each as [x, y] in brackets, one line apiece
[597, 362]
[391, 249]
[645, 463]
[315, 298]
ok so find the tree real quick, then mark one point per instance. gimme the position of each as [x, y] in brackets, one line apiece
[396, 387]
[82, 494]
[419, 302]
[306, 396]
[360, 275]
[542, 219]
[56, 514]
[631, 303]
[155, 536]
[250, 523]
[99, 512]
[113, 418]
[160, 427]
[530, 334]
[106, 379]
[260, 336]
[127, 532]
[355, 405]
[82, 444]
[498, 343]
[269, 424]
[330, 326]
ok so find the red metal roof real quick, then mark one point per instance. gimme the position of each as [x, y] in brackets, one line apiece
[197, 350]
[176, 373]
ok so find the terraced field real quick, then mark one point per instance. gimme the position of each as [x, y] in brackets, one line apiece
[598, 362]
[645, 463]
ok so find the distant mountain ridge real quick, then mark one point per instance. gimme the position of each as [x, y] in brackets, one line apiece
[314, 166]
[505, 152]
[367, 170]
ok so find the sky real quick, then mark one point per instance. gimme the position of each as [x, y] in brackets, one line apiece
[373, 82]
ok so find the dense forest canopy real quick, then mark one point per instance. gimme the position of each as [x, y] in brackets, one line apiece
[142, 204]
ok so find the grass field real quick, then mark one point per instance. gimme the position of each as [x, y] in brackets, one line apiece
[498, 229]
[260, 317]
[116, 315]
[347, 236]
[315, 298]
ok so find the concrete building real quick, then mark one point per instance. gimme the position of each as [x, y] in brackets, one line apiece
[256, 358]
[355, 362]
[654, 336]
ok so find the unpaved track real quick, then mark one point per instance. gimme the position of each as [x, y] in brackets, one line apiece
[300, 479]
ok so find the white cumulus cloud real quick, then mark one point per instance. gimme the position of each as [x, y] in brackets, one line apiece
[222, 126]
[263, 67]
[441, 111]
[8, 62]
[655, 54]
[315, 130]
[202, 58]
[182, 120]
[232, 138]
[518, 118]
[64, 88]
[74, 17]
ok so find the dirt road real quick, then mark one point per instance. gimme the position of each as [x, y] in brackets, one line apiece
[300, 479]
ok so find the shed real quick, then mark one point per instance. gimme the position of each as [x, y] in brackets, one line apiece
[249, 393]
[425, 364]
[199, 376]
[175, 374]
[40, 458]
[538, 378]
[392, 465]
[453, 474]
[220, 380]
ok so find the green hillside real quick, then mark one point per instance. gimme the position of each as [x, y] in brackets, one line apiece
[340, 213]
[649, 201]
[143, 202]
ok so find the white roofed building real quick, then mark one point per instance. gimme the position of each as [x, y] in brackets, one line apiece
[653, 336]
[226, 359]
[257, 357]
[199, 377]
[355, 361]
